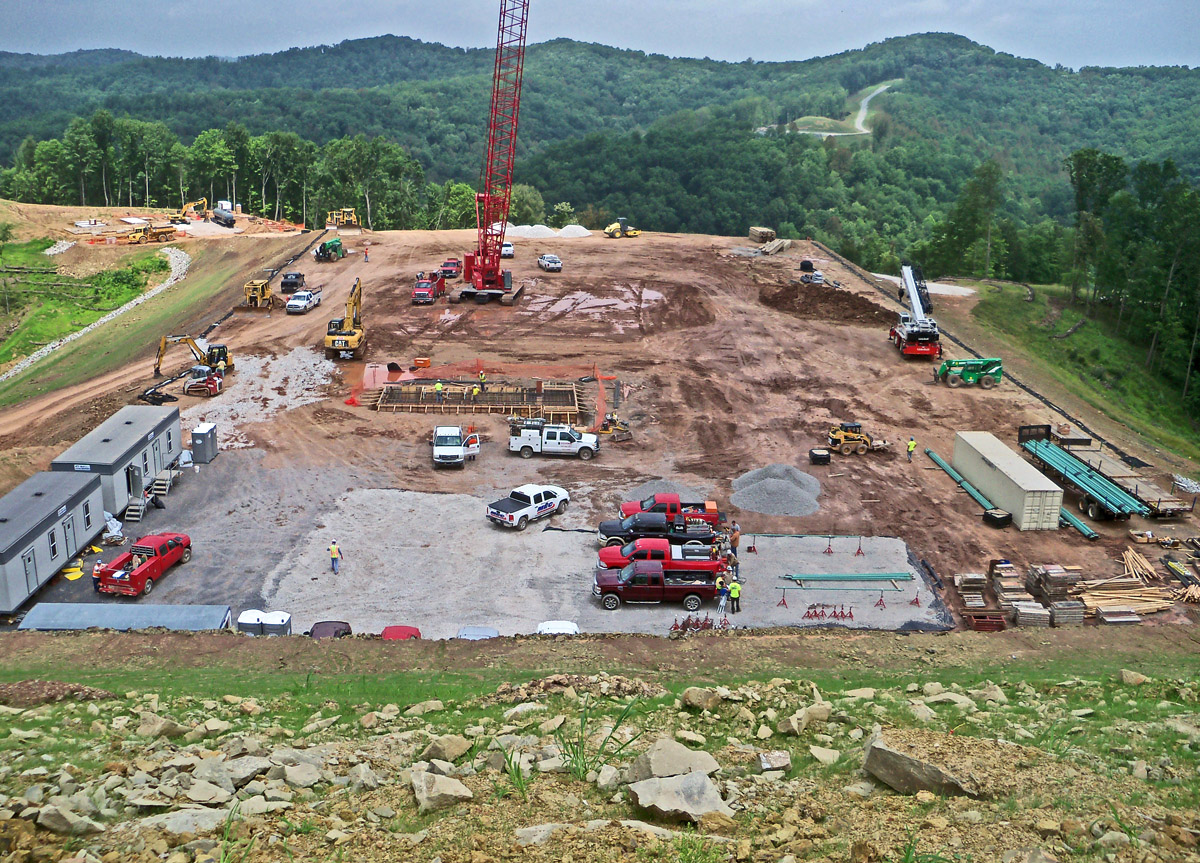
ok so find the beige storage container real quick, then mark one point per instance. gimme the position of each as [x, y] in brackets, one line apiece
[1007, 480]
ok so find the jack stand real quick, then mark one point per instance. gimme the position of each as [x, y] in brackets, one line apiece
[782, 601]
[829, 547]
[850, 614]
[916, 600]
[880, 603]
[860, 552]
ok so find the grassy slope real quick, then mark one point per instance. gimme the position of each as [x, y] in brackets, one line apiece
[1102, 369]
[825, 124]
[117, 343]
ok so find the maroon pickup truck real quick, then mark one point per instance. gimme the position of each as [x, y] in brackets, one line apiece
[648, 581]
[147, 560]
[672, 507]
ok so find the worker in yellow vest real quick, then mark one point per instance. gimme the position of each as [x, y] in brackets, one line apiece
[912, 445]
[335, 556]
[482, 381]
[735, 597]
[437, 392]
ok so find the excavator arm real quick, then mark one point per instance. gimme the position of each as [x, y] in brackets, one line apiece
[209, 357]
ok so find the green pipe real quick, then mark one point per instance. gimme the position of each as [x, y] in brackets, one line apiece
[852, 576]
[957, 477]
[839, 588]
[1086, 478]
[1065, 515]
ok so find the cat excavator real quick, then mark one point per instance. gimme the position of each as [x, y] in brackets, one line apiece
[200, 206]
[347, 335]
[213, 356]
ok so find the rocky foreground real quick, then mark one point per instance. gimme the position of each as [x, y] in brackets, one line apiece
[600, 767]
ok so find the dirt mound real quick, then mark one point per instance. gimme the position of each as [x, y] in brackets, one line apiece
[27, 693]
[825, 303]
[609, 686]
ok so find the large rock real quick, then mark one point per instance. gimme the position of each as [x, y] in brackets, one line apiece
[431, 706]
[909, 774]
[687, 798]
[362, 777]
[181, 821]
[669, 758]
[828, 757]
[436, 792]
[207, 793]
[216, 771]
[801, 719]
[959, 701]
[448, 747]
[153, 726]
[698, 698]
[301, 775]
[62, 820]
[242, 770]
[1132, 678]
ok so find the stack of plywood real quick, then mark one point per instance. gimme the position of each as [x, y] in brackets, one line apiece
[1118, 615]
[971, 587]
[1067, 612]
[1051, 581]
[1032, 613]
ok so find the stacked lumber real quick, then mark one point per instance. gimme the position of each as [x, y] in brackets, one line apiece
[1125, 593]
[1189, 594]
[1136, 566]
[1118, 615]
[1032, 613]
[971, 587]
[1067, 612]
[1051, 581]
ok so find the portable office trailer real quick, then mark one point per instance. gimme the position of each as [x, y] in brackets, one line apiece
[44, 522]
[1007, 480]
[50, 616]
[128, 450]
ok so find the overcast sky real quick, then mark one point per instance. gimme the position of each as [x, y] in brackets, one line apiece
[1071, 32]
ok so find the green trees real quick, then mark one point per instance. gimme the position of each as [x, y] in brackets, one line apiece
[526, 206]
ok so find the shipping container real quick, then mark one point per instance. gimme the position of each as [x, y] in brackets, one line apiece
[1007, 480]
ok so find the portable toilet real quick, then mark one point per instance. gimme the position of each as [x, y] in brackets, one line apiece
[204, 443]
[250, 622]
[276, 623]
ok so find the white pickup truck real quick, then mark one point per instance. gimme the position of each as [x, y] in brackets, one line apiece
[303, 302]
[528, 503]
[452, 447]
[531, 436]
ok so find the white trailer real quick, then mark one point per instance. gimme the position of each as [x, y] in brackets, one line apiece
[1007, 480]
[44, 522]
[128, 451]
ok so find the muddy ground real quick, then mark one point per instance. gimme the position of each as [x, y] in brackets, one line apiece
[727, 364]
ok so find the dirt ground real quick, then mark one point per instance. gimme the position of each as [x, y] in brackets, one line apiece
[727, 363]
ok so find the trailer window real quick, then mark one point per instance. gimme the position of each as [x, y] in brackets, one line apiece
[53, 537]
[170, 440]
[145, 464]
[87, 513]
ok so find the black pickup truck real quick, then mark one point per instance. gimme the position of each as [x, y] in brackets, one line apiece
[619, 531]
[291, 282]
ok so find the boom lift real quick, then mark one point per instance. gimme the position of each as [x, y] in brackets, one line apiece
[211, 355]
[916, 333]
[347, 335]
[482, 271]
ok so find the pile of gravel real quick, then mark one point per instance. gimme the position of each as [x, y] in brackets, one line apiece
[1187, 485]
[777, 489]
[542, 232]
[572, 232]
[663, 486]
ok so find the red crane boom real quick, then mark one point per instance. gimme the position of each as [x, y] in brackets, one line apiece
[482, 271]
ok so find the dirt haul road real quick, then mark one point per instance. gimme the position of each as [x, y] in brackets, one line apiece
[727, 362]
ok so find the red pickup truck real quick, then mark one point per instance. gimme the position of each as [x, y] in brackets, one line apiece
[147, 560]
[672, 507]
[649, 581]
[429, 286]
[694, 556]
[452, 268]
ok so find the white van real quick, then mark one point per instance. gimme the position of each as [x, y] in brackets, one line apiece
[452, 447]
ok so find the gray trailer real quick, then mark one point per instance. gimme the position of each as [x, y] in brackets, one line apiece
[128, 451]
[1008, 481]
[44, 522]
[58, 616]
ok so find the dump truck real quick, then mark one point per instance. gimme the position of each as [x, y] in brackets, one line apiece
[330, 250]
[984, 372]
[152, 234]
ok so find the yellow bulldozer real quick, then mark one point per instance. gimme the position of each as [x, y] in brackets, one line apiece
[259, 294]
[849, 438]
[620, 229]
[181, 217]
[346, 217]
[347, 335]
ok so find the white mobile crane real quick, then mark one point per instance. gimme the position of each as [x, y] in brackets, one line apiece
[916, 333]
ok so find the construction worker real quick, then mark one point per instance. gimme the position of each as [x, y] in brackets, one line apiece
[731, 560]
[735, 597]
[482, 381]
[912, 445]
[96, 575]
[722, 598]
[475, 393]
[437, 392]
[735, 536]
[335, 556]
[367, 254]
[221, 368]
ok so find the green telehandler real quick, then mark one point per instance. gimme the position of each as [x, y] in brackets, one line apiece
[956, 373]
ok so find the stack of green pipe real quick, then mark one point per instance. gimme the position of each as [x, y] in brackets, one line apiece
[957, 477]
[1086, 478]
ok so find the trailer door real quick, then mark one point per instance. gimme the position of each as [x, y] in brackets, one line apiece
[156, 449]
[31, 582]
[68, 526]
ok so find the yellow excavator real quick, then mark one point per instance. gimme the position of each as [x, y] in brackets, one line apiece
[347, 335]
[620, 229]
[212, 356]
[200, 206]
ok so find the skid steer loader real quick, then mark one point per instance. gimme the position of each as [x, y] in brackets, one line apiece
[849, 438]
